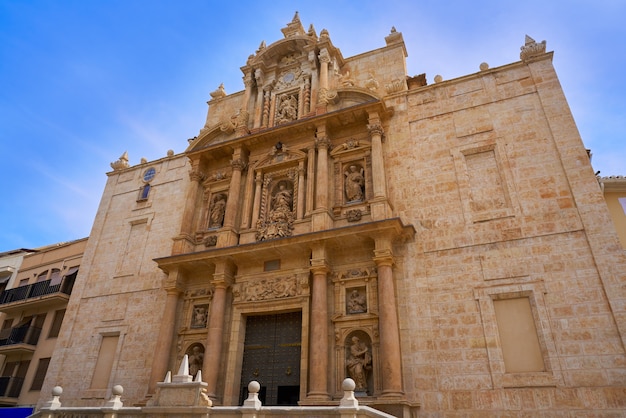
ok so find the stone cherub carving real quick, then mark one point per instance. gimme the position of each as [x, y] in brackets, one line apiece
[288, 109]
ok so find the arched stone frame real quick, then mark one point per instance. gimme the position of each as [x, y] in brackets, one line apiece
[212, 187]
[195, 356]
[241, 309]
[367, 335]
[352, 152]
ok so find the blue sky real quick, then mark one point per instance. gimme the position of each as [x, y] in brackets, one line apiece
[83, 81]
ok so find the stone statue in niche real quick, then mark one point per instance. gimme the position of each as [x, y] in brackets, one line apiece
[354, 183]
[282, 200]
[199, 317]
[279, 221]
[357, 302]
[359, 363]
[287, 109]
[216, 213]
[195, 354]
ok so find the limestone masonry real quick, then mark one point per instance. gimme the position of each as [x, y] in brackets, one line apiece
[447, 246]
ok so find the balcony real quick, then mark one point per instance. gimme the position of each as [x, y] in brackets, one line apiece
[27, 296]
[19, 339]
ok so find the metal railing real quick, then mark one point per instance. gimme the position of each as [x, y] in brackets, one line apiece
[25, 334]
[37, 289]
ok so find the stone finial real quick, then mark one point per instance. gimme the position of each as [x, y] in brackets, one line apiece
[183, 375]
[394, 37]
[294, 27]
[532, 48]
[143, 160]
[219, 93]
[54, 403]
[170, 152]
[483, 66]
[438, 78]
[198, 377]
[312, 33]
[121, 163]
[168, 377]
[253, 396]
[115, 402]
[262, 47]
[348, 400]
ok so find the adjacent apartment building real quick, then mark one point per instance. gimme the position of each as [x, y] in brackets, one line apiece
[32, 308]
[447, 246]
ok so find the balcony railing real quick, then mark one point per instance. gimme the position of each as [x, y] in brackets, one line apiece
[38, 289]
[10, 387]
[24, 334]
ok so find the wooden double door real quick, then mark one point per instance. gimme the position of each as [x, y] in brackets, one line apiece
[272, 357]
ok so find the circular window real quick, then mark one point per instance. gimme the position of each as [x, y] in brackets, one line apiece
[149, 174]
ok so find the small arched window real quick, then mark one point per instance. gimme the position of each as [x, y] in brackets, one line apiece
[144, 192]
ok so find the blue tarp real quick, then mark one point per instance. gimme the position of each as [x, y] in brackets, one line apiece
[15, 412]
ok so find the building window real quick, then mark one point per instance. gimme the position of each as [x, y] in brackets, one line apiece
[40, 374]
[518, 336]
[42, 276]
[104, 364]
[12, 378]
[56, 323]
[523, 352]
[55, 277]
[144, 192]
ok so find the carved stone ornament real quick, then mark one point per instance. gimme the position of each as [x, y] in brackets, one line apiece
[210, 241]
[354, 215]
[532, 48]
[265, 289]
[371, 83]
[121, 163]
[287, 108]
[199, 316]
[395, 85]
[219, 93]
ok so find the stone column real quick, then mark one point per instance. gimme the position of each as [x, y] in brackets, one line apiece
[184, 242]
[390, 353]
[379, 205]
[301, 191]
[322, 99]
[318, 339]
[248, 200]
[310, 181]
[257, 199]
[222, 279]
[258, 106]
[241, 127]
[321, 218]
[165, 337]
[229, 237]
[378, 163]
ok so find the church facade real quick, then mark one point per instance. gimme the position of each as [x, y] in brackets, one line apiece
[446, 246]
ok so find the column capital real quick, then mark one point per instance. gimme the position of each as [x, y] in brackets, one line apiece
[322, 141]
[383, 257]
[196, 175]
[375, 129]
[319, 266]
[238, 164]
[324, 56]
